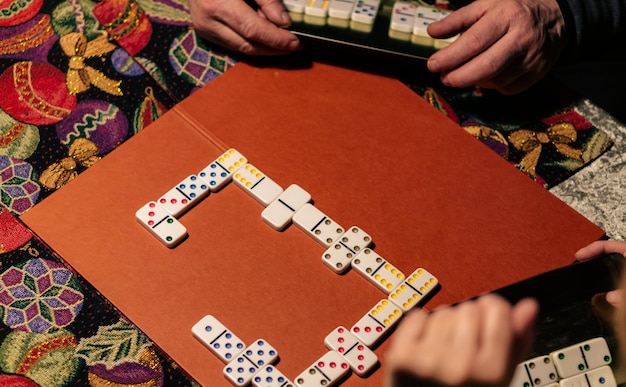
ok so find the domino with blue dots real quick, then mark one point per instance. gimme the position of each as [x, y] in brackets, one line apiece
[599, 377]
[365, 11]
[270, 376]
[242, 369]
[218, 339]
[184, 195]
[220, 171]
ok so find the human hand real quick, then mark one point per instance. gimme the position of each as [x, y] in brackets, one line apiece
[506, 45]
[478, 342]
[598, 248]
[233, 24]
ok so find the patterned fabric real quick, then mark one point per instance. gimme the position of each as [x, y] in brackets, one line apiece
[80, 77]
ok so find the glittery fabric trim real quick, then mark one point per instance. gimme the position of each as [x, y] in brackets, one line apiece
[35, 353]
[24, 86]
[32, 38]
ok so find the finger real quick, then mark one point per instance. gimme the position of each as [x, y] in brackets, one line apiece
[224, 36]
[478, 38]
[457, 21]
[464, 343]
[275, 12]
[598, 248]
[405, 342]
[524, 316]
[614, 297]
[496, 336]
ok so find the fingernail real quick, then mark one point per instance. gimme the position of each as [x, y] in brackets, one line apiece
[286, 19]
[294, 45]
[433, 65]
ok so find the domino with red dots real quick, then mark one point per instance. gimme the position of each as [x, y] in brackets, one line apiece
[377, 270]
[221, 170]
[376, 322]
[414, 288]
[403, 16]
[361, 359]
[161, 224]
[242, 369]
[326, 371]
[217, 338]
[184, 195]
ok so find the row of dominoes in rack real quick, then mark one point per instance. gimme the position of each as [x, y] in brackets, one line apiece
[360, 11]
[583, 364]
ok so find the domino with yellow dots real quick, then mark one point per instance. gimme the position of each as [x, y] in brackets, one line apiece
[220, 171]
[257, 184]
[376, 322]
[317, 8]
[377, 270]
[413, 289]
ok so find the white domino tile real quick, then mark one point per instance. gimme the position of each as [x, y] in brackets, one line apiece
[599, 377]
[270, 376]
[257, 184]
[413, 289]
[242, 369]
[536, 372]
[184, 195]
[217, 338]
[360, 357]
[326, 371]
[220, 171]
[365, 11]
[581, 357]
[317, 225]
[318, 8]
[403, 16]
[424, 16]
[279, 213]
[295, 6]
[161, 224]
[341, 9]
[338, 256]
[377, 270]
[376, 322]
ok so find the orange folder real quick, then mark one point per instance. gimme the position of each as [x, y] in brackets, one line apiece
[371, 153]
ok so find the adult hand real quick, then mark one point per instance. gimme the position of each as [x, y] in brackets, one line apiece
[233, 24]
[477, 342]
[506, 45]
